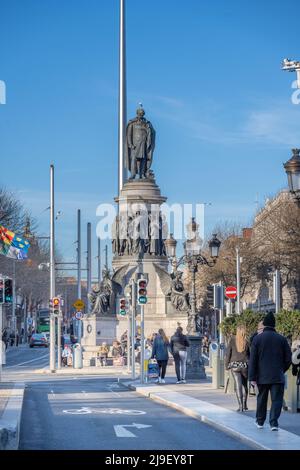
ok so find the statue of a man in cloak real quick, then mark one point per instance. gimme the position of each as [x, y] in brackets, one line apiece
[139, 145]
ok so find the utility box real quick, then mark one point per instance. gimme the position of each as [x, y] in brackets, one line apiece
[77, 356]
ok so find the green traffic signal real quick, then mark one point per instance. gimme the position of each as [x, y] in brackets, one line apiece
[142, 291]
[8, 290]
[123, 307]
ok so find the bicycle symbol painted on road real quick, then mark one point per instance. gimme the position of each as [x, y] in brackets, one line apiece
[110, 411]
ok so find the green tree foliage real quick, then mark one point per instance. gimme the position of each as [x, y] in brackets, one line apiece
[287, 323]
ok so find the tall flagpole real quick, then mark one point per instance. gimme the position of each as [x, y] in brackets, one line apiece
[122, 95]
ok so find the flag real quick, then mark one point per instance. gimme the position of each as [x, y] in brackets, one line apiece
[11, 245]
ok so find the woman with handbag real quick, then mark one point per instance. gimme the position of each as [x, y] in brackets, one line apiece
[236, 360]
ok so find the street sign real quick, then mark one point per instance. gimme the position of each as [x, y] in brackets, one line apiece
[231, 292]
[79, 304]
[78, 315]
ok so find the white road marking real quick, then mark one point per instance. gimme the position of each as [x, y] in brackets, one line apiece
[80, 411]
[109, 411]
[27, 362]
[122, 432]
[111, 386]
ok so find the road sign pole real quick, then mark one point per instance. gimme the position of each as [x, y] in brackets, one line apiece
[89, 263]
[221, 309]
[128, 340]
[238, 282]
[59, 341]
[133, 316]
[14, 300]
[142, 373]
[79, 254]
[52, 270]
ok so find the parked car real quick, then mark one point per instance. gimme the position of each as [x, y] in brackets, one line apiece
[38, 339]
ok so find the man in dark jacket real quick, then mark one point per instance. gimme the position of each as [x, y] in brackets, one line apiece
[179, 344]
[270, 358]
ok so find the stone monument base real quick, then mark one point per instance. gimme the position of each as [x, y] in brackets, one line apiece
[88, 340]
[153, 323]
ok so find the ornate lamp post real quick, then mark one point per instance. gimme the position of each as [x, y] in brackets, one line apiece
[292, 168]
[193, 258]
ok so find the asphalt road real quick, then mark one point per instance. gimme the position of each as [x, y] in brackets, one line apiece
[24, 358]
[99, 413]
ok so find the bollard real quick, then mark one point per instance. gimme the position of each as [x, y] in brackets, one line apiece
[77, 356]
[229, 382]
[215, 359]
[3, 354]
[290, 392]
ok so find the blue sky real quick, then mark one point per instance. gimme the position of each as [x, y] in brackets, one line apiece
[208, 74]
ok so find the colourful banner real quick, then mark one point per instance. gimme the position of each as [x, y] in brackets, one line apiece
[11, 245]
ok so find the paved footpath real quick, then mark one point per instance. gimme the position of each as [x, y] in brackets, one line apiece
[218, 409]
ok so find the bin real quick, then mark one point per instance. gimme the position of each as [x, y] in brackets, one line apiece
[77, 356]
[3, 353]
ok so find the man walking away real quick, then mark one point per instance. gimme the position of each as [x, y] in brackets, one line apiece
[270, 358]
[179, 344]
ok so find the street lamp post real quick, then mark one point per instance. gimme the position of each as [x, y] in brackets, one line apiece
[193, 258]
[292, 168]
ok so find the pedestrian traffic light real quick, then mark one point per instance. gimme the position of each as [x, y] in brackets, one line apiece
[1, 291]
[142, 291]
[8, 291]
[123, 306]
[210, 295]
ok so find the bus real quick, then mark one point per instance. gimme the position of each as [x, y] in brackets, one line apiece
[43, 320]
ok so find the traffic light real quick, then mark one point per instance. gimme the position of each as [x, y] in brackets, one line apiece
[142, 291]
[123, 306]
[1, 291]
[218, 296]
[56, 305]
[210, 295]
[8, 291]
